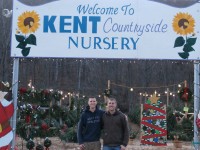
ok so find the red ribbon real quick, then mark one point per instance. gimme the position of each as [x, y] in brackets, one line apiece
[152, 143]
[154, 127]
[153, 136]
[153, 117]
[146, 106]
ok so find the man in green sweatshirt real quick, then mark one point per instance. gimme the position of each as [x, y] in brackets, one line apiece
[115, 128]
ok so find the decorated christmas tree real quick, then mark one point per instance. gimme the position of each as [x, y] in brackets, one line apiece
[153, 123]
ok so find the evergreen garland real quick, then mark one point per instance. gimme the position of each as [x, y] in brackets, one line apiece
[42, 97]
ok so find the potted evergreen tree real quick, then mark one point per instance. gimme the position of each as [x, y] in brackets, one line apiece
[132, 135]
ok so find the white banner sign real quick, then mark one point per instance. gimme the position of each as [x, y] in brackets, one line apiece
[130, 29]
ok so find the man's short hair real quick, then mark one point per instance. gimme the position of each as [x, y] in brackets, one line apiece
[92, 98]
[112, 99]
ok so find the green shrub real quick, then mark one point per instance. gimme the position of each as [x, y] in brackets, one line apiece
[134, 115]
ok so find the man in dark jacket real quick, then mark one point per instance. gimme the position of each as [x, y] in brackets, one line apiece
[89, 127]
[115, 128]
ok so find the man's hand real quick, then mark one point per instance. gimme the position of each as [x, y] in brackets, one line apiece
[82, 146]
[123, 147]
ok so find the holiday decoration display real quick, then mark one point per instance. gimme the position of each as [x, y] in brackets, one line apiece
[41, 115]
[185, 95]
[6, 112]
[153, 123]
[38, 112]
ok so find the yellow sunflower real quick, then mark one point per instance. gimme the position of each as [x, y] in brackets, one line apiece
[183, 23]
[28, 22]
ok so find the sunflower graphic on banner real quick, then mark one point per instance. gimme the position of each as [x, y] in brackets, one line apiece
[28, 23]
[153, 123]
[183, 24]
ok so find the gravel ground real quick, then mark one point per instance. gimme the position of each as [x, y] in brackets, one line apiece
[57, 144]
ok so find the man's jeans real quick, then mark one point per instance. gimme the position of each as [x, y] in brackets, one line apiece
[111, 147]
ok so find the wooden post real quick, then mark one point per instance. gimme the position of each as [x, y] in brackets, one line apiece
[70, 99]
[185, 85]
[141, 108]
[165, 108]
[60, 119]
[105, 97]
[140, 99]
[167, 97]
[145, 97]
[108, 84]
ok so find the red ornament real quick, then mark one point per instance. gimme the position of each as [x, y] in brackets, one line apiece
[22, 90]
[28, 119]
[44, 126]
[45, 92]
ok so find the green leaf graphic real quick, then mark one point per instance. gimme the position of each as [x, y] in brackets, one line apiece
[19, 38]
[184, 55]
[191, 41]
[188, 48]
[26, 51]
[21, 45]
[179, 41]
[31, 39]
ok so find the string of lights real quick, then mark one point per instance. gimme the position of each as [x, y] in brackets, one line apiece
[167, 91]
[154, 87]
[102, 60]
[145, 94]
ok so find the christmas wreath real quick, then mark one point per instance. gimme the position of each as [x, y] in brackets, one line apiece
[108, 92]
[185, 94]
[47, 143]
[39, 147]
[30, 145]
